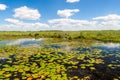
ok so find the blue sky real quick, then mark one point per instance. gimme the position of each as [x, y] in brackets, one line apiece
[59, 15]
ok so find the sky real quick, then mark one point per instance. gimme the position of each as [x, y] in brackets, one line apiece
[68, 15]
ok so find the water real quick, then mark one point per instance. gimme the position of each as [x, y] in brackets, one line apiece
[21, 42]
[111, 47]
[106, 48]
[109, 53]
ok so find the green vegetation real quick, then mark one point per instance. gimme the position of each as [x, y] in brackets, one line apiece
[63, 56]
[47, 63]
[105, 36]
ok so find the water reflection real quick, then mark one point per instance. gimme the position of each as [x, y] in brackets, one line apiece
[22, 42]
[37, 42]
[110, 45]
[97, 61]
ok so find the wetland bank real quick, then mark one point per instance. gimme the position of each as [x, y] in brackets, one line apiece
[60, 55]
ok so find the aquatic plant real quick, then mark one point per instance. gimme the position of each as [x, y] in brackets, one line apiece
[47, 63]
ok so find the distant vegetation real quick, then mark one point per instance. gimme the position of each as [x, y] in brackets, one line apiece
[105, 36]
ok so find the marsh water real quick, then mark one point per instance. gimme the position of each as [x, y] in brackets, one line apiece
[106, 56]
[109, 46]
[21, 42]
[33, 41]
[106, 48]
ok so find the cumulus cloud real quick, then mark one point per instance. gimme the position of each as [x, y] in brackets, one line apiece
[67, 12]
[72, 1]
[13, 21]
[109, 22]
[108, 17]
[17, 25]
[109, 25]
[26, 13]
[71, 24]
[3, 7]
[63, 24]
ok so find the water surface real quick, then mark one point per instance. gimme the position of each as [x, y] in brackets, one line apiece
[100, 60]
[21, 42]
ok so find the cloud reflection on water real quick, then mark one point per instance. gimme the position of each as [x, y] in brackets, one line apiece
[110, 45]
[25, 41]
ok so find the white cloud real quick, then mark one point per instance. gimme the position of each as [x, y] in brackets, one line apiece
[62, 24]
[3, 7]
[71, 24]
[17, 25]
[109, 25]
[13, 21]
[67, 12]
[72, 1]
[108, 17]
[27, 13]
[109, 22]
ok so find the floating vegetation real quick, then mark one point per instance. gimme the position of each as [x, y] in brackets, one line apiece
[56, 62]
